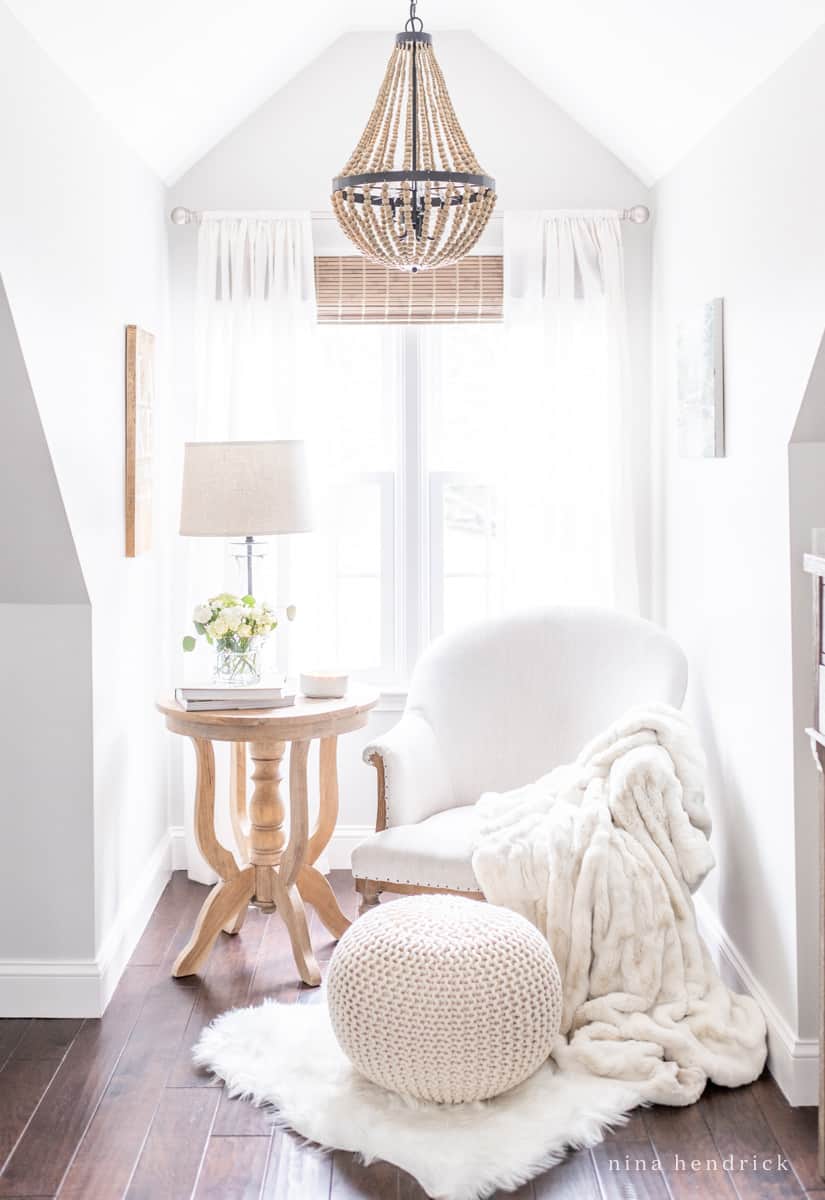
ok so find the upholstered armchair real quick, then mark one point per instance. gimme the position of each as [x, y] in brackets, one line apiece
[492, 708]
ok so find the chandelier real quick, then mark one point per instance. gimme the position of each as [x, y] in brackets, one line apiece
[413, 195]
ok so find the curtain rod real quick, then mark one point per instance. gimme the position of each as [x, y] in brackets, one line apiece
[179, 215]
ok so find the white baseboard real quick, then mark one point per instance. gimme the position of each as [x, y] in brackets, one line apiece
[793, 1061]
[177, 847]
[83, 987]
[344, 841]
[132, 918]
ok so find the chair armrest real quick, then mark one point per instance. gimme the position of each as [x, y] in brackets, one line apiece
[413, 780]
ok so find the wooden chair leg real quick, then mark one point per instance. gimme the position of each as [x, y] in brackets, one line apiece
[370, 893]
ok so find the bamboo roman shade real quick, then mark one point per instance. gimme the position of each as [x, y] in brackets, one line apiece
[352, 290]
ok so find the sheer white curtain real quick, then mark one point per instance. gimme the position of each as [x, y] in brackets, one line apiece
[564, 468]
[254, 322]
[254, 330]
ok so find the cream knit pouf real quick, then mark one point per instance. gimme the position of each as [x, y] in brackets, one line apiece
[443, 998]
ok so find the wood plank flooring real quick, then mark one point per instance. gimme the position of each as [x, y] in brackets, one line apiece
[99, 1110]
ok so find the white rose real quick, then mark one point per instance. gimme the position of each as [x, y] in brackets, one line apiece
[202, 614]
[218, 627]
[234, 616]
[244, 631]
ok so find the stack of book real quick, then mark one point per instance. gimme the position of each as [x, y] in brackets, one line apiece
[206, 698]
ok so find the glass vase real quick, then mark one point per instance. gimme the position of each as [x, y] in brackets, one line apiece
[236, 667]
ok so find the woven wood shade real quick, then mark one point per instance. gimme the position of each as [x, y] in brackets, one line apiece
[352, 290]
[413, 195]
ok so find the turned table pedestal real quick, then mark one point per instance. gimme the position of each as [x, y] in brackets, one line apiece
[277, 870]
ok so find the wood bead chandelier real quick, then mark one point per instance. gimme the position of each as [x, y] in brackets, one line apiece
[413, 195]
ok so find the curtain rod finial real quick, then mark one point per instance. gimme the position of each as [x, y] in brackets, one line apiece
[180, 216]
[639, 214]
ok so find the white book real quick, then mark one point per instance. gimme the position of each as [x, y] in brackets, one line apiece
[257, 692]
[239, 703]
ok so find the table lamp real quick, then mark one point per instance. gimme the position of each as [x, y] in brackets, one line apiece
[245, 490]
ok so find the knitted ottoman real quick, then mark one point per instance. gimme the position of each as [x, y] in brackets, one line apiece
[443, 998]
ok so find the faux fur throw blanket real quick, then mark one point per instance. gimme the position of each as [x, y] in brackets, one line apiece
[602, 856]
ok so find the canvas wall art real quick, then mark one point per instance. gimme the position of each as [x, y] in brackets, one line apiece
[700, 366]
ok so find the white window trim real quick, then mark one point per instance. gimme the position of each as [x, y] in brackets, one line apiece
[412, 523]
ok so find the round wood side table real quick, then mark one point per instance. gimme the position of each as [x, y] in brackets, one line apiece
[275, 873]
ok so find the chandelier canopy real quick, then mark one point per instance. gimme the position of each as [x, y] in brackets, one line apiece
[413, 195]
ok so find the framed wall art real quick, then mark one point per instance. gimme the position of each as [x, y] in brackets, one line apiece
[140, 387]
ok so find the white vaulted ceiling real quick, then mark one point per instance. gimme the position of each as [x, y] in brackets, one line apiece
[647, 77]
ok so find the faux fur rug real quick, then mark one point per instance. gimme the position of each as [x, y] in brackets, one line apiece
[287, 1056]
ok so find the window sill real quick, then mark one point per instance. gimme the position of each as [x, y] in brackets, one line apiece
[392, 699]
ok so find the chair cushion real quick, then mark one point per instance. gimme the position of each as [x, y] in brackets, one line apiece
[433, 853]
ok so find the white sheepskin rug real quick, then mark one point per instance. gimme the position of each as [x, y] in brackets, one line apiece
[286, 1055]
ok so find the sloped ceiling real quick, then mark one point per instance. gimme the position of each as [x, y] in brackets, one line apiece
[647, 77]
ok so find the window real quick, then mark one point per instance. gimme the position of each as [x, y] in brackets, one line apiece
[346, 572]
[460, 398]
[408, 543]
[462, 467]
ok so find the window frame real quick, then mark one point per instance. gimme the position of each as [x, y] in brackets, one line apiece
[412, 582]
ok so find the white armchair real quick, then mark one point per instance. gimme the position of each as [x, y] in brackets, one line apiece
[492, 708]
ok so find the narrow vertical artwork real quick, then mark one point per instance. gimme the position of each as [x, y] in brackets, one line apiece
[700, 364]
[140, 386]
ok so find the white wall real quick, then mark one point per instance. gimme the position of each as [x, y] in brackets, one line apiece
[83, 253]
[741, 218]
[284, 156]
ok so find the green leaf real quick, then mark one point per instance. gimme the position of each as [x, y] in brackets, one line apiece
[249, 601]
[201, 630]
[209, 639]
[189, 643]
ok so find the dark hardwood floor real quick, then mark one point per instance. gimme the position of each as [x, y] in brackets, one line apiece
[97, 1110]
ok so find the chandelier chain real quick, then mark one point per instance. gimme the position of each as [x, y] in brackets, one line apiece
[411, 20]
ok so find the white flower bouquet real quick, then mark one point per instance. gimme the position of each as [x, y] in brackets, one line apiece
[237, 626]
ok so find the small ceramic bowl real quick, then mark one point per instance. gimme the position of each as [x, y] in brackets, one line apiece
[324, 685]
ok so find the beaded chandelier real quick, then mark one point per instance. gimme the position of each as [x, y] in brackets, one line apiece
[413, 195]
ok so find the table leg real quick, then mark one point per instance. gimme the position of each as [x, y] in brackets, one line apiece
[219, 858]
[291, 908]
[315, 890]
[313, 886]
[237, 811]
[222, 906]
[277, 865]
[237, 797]
[266, 818]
